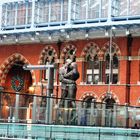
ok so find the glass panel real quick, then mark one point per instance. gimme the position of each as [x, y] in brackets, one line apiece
[55, 10]
[134, 7]
[115, 61]
[93, 9]
[115, 79]
[29, 11]
[89, 79]
[65, 10]
[21, 14]
[115, 7]
[123, 7]
[83, 9]
[8, 14]
[107, 61]
[96, 79]
[41, 11]
[104, 8]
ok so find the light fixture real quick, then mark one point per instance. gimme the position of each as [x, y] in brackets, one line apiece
[50, 37]
[127, 32]
[37, 33]
[4, 36]
[16, 39]
[1, 39]
[106, 33]
[62, 30]
[86, 34]
[67, 36]
[113, 27]
[32, 37]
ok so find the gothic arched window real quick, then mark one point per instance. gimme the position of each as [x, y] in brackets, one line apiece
[92, 66]
[111, 67]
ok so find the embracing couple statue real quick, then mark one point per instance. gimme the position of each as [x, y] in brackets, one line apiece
[68, 74]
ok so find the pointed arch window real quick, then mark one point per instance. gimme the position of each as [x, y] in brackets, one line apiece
[92, 71]
[111, 71]
[49, 58]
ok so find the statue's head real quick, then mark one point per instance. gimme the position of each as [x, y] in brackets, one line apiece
[68, 62]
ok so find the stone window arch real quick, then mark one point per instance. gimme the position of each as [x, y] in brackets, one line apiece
[111, 67]
[47, 56]
[9, 62]
[91, 64]
[69, 52]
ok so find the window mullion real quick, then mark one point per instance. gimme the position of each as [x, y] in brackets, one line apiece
[92, 64]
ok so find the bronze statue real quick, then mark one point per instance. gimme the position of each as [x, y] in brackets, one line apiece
[68, 74]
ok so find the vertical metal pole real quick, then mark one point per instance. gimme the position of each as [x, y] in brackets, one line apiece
[62, 10]
[100, 8]
[109, 10]
[1, 15]
[33, 13]
[34, 110]
[26, 15]
[69, 11]
[49, 14]
[16, 107]
[110, 61]
[49, 93]
[16, 13]
[126, 116]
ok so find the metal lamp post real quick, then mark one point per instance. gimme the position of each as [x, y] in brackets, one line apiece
[49, 87]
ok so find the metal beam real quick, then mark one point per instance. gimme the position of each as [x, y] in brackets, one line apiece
[37, 67]
[124, 24]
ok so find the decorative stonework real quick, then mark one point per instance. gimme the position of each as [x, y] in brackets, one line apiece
[91, 49]
[89, 94]
[115, 49]
[48, 53]
[113, 96]
[69, 51]
[8, 63]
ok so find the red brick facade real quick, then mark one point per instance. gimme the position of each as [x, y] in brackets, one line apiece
[125, 91]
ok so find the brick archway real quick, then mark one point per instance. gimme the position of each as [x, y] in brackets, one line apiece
[106, 46]
[9, 62]
[88, 46]
[66, 51]
[113, 96]
[89, 94]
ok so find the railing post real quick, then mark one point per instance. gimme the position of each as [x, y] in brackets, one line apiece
[134, 116]
[79, 106]
[66, 112]
[49, 94]
[103, 114]
[126, 116]
[16, 107]
[92, 118]
[114, 115]
[34, 110]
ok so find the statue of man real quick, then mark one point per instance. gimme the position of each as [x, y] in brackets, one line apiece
[68, 74]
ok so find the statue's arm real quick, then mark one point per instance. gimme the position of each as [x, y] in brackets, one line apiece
[67, 75]
[65, 80]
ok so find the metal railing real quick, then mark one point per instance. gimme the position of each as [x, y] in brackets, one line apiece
[25, 108]
[18, 131]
